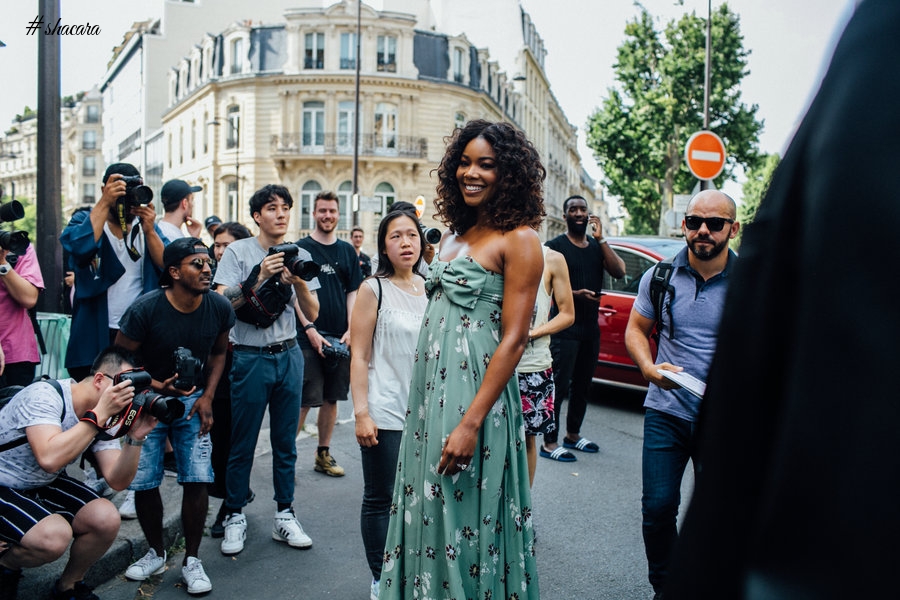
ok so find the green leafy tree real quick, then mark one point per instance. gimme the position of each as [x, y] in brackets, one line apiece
[639, 133]
[754, 190]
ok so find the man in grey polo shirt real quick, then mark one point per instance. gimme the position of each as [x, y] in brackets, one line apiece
[687, 329]
[267, 366]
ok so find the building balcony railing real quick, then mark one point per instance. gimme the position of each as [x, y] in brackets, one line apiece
[388, 146]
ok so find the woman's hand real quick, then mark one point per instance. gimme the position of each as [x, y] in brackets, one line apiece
[458, 450]
[366, 431]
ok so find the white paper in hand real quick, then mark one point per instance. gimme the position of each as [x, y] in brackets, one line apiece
[685, 380]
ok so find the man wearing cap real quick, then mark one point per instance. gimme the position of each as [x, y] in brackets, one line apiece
[116, 253]
[181, 316]
[178, 203]
[212, 223]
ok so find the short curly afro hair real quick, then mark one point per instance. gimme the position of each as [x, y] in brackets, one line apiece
[519, 197]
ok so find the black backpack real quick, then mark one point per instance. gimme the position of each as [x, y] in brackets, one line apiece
[9, 391]
[659, 287]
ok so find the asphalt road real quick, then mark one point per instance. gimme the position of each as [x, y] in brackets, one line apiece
[587, 518]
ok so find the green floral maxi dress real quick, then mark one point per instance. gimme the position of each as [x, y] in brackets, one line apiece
[468, 536]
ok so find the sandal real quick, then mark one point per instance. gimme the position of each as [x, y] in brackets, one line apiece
[559, 453]
[583, 444]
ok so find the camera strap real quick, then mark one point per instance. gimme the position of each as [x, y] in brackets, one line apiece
[133, 253]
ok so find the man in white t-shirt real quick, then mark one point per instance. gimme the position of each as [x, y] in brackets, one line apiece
[109, 248]
[178, 202]
[44, 428]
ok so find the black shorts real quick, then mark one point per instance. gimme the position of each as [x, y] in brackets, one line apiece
[323, 384]
[20, 510]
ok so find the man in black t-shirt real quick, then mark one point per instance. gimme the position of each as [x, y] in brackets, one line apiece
[181, 315]
[357, 235]
[575, 349]
[326, 378]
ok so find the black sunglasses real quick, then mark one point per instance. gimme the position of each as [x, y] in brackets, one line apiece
[712, 223]
[198, 263]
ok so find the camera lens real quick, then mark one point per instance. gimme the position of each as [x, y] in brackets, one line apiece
[166, 409]
[14, 241]
[304, 269]
[433, 235]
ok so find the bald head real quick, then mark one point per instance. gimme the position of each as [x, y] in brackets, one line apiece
[712, 202]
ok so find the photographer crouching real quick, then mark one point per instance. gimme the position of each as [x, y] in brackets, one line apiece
[178, 329]
[44, 428]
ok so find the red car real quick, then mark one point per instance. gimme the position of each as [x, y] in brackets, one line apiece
[614, 366]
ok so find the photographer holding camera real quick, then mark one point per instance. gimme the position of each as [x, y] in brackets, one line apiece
[109, 248]
[42, 509]
[177, 329]
[20, 284]
[267, 366]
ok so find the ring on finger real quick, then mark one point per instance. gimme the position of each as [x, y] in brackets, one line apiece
[462, 467]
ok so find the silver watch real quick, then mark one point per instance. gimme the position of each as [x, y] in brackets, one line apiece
[4, 269]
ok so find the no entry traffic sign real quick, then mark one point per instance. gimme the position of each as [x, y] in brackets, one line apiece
[705, 155]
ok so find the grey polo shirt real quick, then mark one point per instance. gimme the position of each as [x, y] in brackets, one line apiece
[696, 311]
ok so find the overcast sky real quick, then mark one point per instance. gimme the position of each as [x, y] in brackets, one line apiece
[789, 40]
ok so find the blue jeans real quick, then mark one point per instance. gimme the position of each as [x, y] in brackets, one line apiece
[668, 444]
[260, 379]
[379, 467]
[573, 369]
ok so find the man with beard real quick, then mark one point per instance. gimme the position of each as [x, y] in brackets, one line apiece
[687, 326]
[326, 379]
[182, 316]
[574, 349]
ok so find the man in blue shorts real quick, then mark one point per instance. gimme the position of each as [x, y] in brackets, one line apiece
[181, 331]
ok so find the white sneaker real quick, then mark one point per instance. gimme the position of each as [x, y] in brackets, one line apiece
[150, 564]
[373, 591]
[195, 577]
[287, 529]
[127, 509]
[235, 534]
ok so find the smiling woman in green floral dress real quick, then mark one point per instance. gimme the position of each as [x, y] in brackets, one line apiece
[461, 523]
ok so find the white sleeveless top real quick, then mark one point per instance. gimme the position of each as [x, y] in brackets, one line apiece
[537, 352]
[393, 353]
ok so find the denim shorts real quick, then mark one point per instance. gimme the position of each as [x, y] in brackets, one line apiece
[193, 454]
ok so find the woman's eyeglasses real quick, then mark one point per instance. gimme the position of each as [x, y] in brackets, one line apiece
[712, 223]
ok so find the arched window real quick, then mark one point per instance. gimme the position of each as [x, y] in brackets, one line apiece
[345, 202]
[385, 193]
[307, 198]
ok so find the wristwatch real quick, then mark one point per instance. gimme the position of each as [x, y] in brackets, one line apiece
[4, 269]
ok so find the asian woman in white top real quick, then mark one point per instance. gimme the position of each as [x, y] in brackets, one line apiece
[383, 333]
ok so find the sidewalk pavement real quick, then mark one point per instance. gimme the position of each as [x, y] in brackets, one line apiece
[130, 543]
[128, 547]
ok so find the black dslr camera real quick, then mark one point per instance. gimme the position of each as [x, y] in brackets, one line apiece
[136, 193]
[14, 241]
[335, 352]
[188, 368]
[166, 409]
[304, 269]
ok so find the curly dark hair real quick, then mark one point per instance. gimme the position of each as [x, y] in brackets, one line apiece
[519, 197]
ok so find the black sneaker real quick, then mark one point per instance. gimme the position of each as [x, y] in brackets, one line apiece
[81, 591]
[217, 530]
[9, 583]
